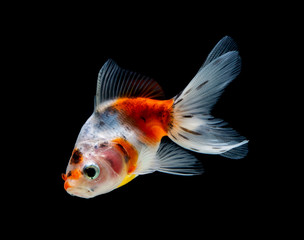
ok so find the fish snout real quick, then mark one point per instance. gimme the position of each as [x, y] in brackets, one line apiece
[67, 185]
[68, 178]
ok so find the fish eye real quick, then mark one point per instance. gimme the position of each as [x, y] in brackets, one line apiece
[91, 171]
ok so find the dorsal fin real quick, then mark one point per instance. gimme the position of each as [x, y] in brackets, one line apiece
[114, 82]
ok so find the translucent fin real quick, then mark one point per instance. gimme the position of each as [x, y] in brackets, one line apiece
[114, 82]
[175, 160]
[193, 127]
[147, 161]
[127, 179]
[208, 84]
[226, 44]
[237, 153]
[169, 158]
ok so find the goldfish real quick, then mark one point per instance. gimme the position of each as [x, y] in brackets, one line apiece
[121, 140]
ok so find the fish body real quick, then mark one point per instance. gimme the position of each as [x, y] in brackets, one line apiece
[122, 138]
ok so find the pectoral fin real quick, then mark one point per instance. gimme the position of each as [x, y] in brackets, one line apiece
[127, 179]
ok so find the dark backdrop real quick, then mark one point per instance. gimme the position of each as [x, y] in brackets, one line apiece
[60, 57]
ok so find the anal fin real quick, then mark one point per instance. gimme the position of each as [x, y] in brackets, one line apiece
[175, 160]
[169, 158]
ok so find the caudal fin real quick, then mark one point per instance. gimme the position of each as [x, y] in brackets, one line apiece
[193, 127]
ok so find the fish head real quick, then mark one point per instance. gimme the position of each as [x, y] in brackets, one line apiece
[95, 167]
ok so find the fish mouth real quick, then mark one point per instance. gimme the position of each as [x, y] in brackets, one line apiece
[71, 176]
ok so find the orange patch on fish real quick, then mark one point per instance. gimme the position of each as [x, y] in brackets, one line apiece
[74, 174]
[64, 176]
[66, 185]
[151, 116]
[127, 149]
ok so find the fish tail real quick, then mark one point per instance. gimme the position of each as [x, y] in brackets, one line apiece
[193, 127]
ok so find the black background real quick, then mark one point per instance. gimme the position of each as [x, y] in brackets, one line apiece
[59, 54]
